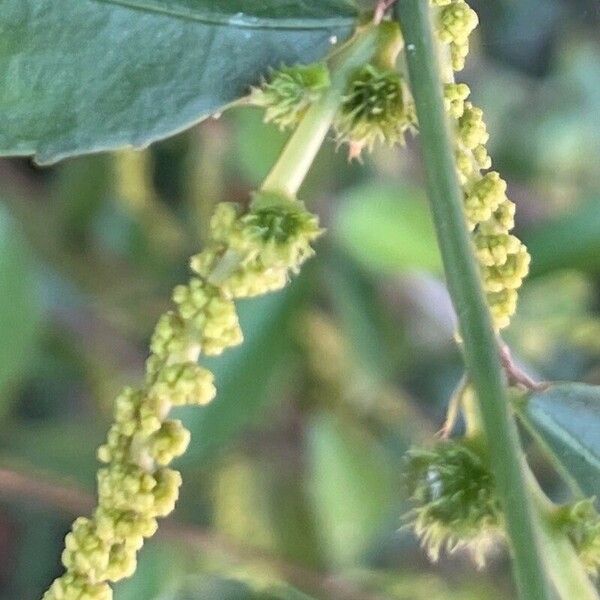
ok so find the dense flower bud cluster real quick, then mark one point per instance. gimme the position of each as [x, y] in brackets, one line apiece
[377, 108]
[503, 258]
[455, 500]
[248, 254]
[456, 21]
[581, 523]
[289, 92]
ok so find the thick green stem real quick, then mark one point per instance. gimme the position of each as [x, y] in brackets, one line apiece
[299, 153]
[480, 344]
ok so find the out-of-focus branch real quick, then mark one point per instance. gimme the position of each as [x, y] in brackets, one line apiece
[69, 499]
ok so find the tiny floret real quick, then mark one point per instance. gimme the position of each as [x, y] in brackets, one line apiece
[289, 92]
[377, 108]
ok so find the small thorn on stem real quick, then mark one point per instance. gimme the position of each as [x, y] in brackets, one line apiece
[515, 374]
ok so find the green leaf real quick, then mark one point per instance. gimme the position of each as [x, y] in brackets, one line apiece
[569, 241]
[82, 76]
[251, 132]
[161, 567]
[19, 301]
[351, 487]
[245, 375]
[565, 419]
[277, 14]
[388, 229]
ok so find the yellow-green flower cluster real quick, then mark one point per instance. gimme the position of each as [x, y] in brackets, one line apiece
[503, 258]
[455, 501]
[249, 253]
[581, 523]
[377, 108]
[289, 92]
[456, 21]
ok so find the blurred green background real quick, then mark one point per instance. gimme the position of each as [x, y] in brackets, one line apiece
[292, 483]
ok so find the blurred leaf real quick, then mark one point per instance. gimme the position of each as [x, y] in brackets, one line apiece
[210, 587]
[111, 75]
[284, 14]
[375, 339]
[245, 375]
[388, 228]
[351, 487]
[294, 526]
[241, 503]
[36, 556]
[565, 419]
[568, 241]
[251, 132]
[66, 448]
[161, 567]
[19, 302]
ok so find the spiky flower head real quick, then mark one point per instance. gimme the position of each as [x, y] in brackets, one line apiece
[455, 501]
[581, 523]
[289, 92]
[377, 108]
[268, 242]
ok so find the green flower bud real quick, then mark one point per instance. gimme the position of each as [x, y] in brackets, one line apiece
[481, 156]
[458, 55]
[484, 197]
[169, 336]
[581, 523]
[501, 221]
[503, 306]
[184, 383]
[377, 108]
[85, 552]
[114, 525]
[494, 250]
[472, 130]
[455, 499]
[455, 22]
[166, 492]
[122, 562]
[289, 92]
[455, 95]
[116, 447]
[169, 442]
[126, 488]
[210, 314]
[75, 587]
[508, 275]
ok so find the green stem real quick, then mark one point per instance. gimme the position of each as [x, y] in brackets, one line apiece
[291, 168]
[480, 344]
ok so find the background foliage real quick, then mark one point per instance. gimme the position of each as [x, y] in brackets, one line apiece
[293, 474]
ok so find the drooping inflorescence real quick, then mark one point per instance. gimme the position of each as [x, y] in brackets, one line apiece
[503, 258]
[249, 253]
